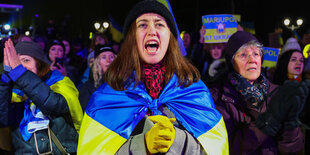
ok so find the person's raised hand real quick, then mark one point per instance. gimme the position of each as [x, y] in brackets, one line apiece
[11, 58]
[202, 34]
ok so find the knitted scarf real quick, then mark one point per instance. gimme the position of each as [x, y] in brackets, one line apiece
[153, 77]
[252, 93]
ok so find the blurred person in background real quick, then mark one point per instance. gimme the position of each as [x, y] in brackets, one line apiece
[56, 54]
[104, 56]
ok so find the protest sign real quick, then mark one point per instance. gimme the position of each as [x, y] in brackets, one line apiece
[219, 27]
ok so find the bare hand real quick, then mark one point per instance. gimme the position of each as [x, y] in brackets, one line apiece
[60, 68]
[202, 34]
[10, 56]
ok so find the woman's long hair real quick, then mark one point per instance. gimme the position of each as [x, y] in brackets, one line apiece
[280, 74]
[42, 67]
[119, 73]
[98, 73]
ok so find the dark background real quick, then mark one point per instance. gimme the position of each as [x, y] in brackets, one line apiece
[77, 17]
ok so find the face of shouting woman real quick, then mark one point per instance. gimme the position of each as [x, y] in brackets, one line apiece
[152, 37]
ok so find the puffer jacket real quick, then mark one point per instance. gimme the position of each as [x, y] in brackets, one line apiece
[244, 137]
[52, 104]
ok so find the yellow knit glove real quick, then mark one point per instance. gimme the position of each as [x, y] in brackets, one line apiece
[161, 136]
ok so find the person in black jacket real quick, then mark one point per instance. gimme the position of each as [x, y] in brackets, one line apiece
[39, 105]
[104, 55]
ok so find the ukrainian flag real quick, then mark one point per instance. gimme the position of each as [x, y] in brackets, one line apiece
[115, 30]
[180, 41]
[111, 116]
[62, 85]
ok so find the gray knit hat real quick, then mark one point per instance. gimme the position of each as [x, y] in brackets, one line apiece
[150, 6]
[291, 44]
[32, 49]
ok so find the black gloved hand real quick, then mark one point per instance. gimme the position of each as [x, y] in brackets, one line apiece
[287, 102]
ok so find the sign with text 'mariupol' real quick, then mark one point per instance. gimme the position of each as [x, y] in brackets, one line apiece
[219, 27]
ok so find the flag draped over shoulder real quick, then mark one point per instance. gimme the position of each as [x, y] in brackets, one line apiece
[112, 115]
[59, 84]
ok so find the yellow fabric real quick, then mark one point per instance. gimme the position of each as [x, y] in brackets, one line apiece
[17, 98]
[96, 139]
[67, 89]
[116, 35]
[267, 63]
[215, 141]
[161, 136]
[306, 50]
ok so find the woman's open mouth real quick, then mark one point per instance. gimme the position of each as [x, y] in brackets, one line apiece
[151, 47]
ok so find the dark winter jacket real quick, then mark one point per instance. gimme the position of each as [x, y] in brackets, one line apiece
[65, 118]
[86, 91]
[244, 137]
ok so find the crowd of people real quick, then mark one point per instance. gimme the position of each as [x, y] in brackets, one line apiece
[142, 96]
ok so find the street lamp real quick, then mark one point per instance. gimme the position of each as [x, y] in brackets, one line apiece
[293, 27]
[105, 25]
[97, 25]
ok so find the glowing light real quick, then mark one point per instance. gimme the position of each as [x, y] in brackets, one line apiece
[299, 22]
[27, 33]
[7, 27]
[105, 25]
[287, 22]
[97, 25]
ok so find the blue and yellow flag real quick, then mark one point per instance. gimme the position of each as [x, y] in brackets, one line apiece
[115, 30]
[270, 56]
[111, 116]
[180, 41]
[219, 27]
[59, 84]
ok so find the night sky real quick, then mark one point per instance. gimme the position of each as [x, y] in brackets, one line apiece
[80, 15]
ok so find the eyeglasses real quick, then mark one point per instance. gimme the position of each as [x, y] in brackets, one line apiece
[244, 55]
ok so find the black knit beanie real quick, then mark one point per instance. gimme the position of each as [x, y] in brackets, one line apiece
[103, 48]
[55, 42]
[150, 6]
[234, 43]
[31, 49]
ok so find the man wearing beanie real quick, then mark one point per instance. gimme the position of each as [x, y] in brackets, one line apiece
[37, 102]
[261, 118]
[152, 101]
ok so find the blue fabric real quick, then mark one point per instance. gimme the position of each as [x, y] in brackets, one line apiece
[7, 68]
[120, 111]
[28, 116]
[17, 72]
[5, 78]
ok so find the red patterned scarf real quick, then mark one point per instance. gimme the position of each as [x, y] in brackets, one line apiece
[294, 77]
[153, 77]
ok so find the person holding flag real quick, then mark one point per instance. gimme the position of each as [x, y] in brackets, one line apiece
[153, 100]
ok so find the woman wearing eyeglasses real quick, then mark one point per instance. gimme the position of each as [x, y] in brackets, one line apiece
[261, 118]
